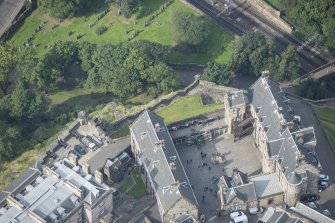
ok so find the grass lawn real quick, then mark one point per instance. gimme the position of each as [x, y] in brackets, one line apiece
[274, 3]
[121, 132]
[140, 99]
[218, 45]
[186, 107]
[327, 117]
[138, 190]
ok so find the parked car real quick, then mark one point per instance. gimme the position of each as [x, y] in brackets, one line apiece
[312, 205]
[310, 198]
[323, 184]
[240, 219]
[326, 212]
[79, 149]
[324, 177]
[256, 210]
[173, 128]
[236, 214]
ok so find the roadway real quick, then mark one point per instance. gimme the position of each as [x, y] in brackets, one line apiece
[243, 19]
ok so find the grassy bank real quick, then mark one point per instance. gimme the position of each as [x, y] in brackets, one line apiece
[218, 46]
[186, 107]
[327, 117]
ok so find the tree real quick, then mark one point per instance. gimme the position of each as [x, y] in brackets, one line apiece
[63, 8]
[252, 54]
[311, 89]
[217, 73]
[288, 65]
[24, 103]
[128, 7]
[159, 79]
[190, 30]
[51, 68]
[7, 64]
[123, 83]
[9, 142]
[328, 30]
[26, 63]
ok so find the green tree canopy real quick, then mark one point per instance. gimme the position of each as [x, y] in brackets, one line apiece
[253, 53]
[217, 73]
[189, 30]
[51, 68]
[63, 8]
[8, 60]
[24, 102]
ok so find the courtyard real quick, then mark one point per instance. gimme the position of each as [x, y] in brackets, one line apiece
[203, 173]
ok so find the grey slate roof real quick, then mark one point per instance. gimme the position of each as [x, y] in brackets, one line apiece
[278, 216]
[275, 114]
[21, 181]
[311, 214]
[266, 185]
[237, 98]
[237, 187]
[157, 159]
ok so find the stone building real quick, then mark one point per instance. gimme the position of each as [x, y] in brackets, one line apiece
[62, 193]
[164, 174]
[287, 149]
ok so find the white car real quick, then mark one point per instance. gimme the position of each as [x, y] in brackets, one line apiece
[236, 214]
[324, 177]
[240, 219]
[256, 210]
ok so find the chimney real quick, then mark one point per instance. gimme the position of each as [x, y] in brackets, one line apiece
[98, 176]
[86, 168]
[73, 158]
[160, 143]
[157, 127]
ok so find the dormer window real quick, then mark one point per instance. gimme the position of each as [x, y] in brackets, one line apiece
[154, 164]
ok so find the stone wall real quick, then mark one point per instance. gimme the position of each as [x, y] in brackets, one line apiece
[265, 9]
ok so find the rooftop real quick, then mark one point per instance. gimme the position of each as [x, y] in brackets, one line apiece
[52, 196]
[161, 160]
[266, 185]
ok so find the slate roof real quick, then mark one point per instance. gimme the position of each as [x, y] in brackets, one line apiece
[311, 214]
[158, 154]
[237, 187]
[237, 98]
[275, 115]
[266, 185]
[278, 216]
[23, 180]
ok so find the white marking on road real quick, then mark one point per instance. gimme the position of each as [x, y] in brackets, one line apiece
[212, 218]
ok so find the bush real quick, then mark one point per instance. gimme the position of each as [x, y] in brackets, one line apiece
[100, 30]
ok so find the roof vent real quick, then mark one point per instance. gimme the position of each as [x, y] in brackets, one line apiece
[154, 163]
[173, 158]
[280, 109]
[143, 134]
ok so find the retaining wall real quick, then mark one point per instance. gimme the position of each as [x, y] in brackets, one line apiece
[265, 9]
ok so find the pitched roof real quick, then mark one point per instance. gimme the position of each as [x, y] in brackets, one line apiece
[278, 216]
[161, 160]
[275, 115]
[311, 213]
[237, 98]
[266, 185]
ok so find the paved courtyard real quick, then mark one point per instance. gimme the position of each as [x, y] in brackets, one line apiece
[202, 172]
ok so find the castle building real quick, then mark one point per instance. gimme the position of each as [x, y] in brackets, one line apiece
[62, 193]
[163, 171]
[286, 147]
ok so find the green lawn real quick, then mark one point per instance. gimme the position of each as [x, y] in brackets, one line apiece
[136, 191]
[327, 117]
[218, 46]
[121, 132]
[273, 3]
[186, 107]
